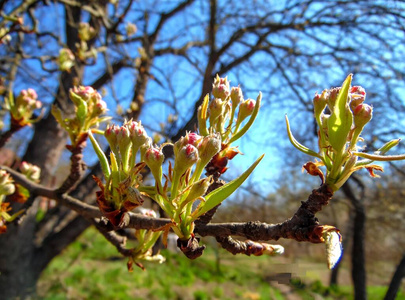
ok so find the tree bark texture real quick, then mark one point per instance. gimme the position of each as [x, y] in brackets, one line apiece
[358, 253]
[20, 266]
[396, 280]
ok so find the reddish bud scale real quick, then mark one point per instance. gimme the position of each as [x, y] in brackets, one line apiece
[193, 139]
[358, 90]
[190, 150]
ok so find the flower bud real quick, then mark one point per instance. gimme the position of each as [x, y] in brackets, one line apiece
[220, 88]
[100, 108]
[185, 158]
[209, 146]
[130, 29]
[236, 96]
[154, 158]
[362, 115]
[191, 138]
[358, 95]
[246, 109]
[320, 102]
[83, 93]
[198, 189]
[27, 99]
[147, 212]
[137, 133]
[123, 139]
[86, 32]
[66, 59]
[32, 172]
[111, 135]
[133, 195]
[332, 96]
[6, 183]
[216, 109]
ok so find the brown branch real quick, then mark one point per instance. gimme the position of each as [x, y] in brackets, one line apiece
[77, 165]
[303, 226]
[84, 209]
[7, 135]
[116, 240]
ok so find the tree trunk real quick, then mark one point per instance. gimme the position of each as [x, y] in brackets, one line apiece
[348, 236]
[358, 254]
[20, 267]
[396, 280]
[17, 274]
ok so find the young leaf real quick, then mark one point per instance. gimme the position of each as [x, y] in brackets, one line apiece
[297, 145]
[101, 156]
[217, 196]
[202, 116]
[341, 119]
[376, 157]
[81, 112]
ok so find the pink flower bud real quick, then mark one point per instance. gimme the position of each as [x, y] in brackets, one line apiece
[32, 94]
[111, 135]
[147, 212]
[123, 139]
[333, 94]
[359, 90]
[27, 99]
[154, 158]
[100, 108]
[320, 101]
[84, 92]
[362, 114]
[246, 109]
[193, 139]
[358, 96]
[137, 133]
[220, 88]
[185, 158]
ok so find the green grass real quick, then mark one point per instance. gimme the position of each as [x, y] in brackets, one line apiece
[91, 268]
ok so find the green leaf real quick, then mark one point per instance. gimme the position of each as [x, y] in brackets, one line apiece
[297, 145]
[376, 157]
[388, 146]
[81, 112]
[217, 196]
[57, 114]
[105, 167]
[341, 118]
[202, 116]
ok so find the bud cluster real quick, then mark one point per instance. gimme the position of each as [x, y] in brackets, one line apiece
[7, 188]
[88, 107]
[32, 172]
[22, 108]
[66, 59]
[341, 115]
[181, 186]
[220, 112]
